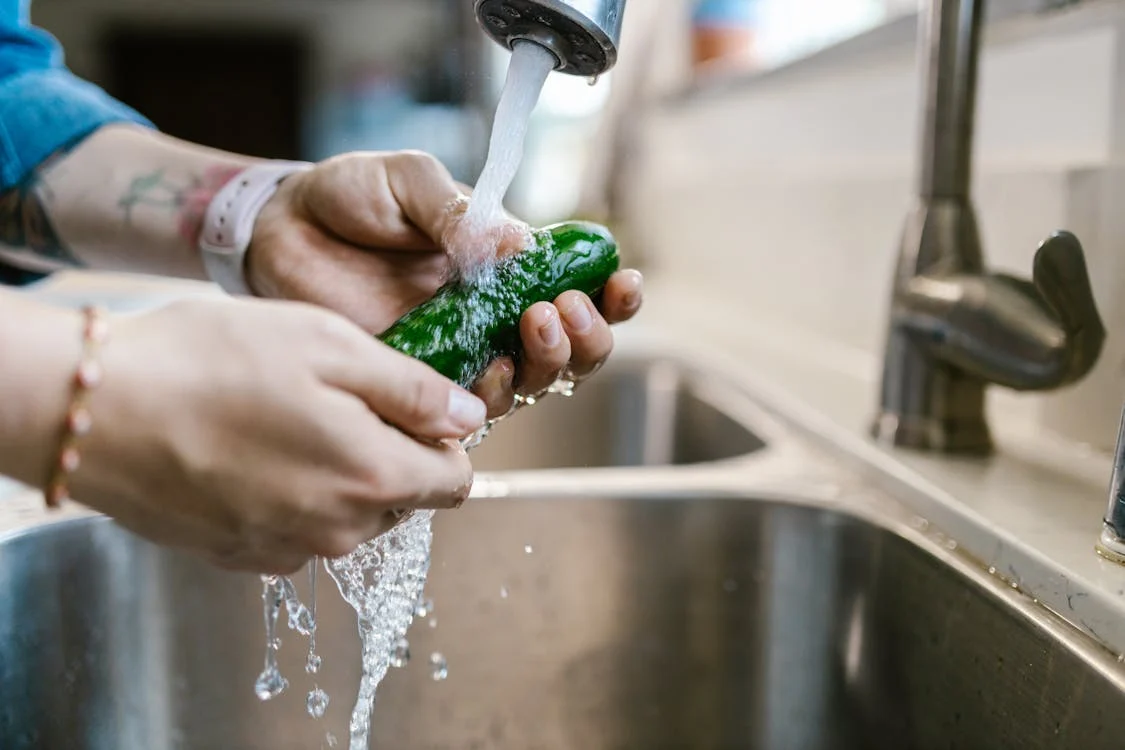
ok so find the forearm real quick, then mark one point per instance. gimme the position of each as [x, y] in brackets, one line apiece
[39, 351]
[126, 198]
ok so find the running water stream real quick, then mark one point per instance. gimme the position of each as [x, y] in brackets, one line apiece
[383, 579]
[477, 239]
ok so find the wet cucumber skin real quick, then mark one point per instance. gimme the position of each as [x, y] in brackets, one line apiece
[467, 325]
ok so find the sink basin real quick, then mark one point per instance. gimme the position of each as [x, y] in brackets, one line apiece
[636, 412]
[710, 624]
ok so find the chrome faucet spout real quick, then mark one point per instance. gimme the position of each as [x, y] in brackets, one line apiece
[955, 328]
[582, 34]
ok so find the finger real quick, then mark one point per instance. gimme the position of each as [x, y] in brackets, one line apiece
[591, 340]
[401, 390]
[364, 527]
[425, 191]
[546, 349]
[496, 387]
[622, 296]
[404, 473]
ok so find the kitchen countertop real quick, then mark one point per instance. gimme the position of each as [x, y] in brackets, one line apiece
[1032, 512]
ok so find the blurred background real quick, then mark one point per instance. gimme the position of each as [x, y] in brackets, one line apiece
[310, 78]
[757, 153]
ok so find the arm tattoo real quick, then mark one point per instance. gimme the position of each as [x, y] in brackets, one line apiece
[24, 223]
[187, 201]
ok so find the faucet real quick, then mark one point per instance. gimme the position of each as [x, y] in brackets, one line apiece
[954, 328]
[583, 35]
[1111, 543]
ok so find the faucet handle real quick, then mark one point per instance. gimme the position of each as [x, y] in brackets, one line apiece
[1025, 335]
[1059, 273]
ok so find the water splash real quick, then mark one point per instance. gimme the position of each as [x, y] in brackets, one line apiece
[382, 580]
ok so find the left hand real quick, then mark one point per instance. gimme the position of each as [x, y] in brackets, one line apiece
[362, 234]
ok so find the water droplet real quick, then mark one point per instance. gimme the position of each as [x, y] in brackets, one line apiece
[401, 655]
[312, 663]
[1014, 584]
[1121, 658]
[992, 570]
[330, 739]
[951, 544]
[433, 622]
[593, 80]
[270, 684]
[317, 703]
[424, 607]
[497, 21]
[510, 12]
[303, 622]
[503, 592]
[528, 549]
[440, 666]
[277, 644]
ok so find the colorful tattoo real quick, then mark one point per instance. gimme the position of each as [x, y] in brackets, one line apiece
[189, 201]
[24, 223]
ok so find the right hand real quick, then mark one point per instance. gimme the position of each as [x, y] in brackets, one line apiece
[260, 433]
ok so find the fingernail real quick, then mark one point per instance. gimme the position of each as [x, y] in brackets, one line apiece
[633, 297]
[578, 316]
[550, 332]
[466, 409]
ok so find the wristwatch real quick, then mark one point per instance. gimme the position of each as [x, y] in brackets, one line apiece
[228, 223]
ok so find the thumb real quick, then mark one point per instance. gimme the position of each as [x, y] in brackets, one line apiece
[426, 192]
[407, 393]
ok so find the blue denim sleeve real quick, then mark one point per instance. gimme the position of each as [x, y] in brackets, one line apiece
[43, 106]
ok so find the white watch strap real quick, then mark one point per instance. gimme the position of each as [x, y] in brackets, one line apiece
[228, 223]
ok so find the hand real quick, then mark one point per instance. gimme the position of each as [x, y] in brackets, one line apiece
[362, 234]
[258, 432]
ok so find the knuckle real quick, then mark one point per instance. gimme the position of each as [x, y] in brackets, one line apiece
[333, 329]
[602, 347]
[424, 397]
[419, 159]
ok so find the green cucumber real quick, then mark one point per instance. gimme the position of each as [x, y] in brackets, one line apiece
[468, 324]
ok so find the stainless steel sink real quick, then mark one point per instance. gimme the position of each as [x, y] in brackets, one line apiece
[700, 622]
[636, 412]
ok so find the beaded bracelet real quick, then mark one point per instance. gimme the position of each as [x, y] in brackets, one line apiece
[78, 421]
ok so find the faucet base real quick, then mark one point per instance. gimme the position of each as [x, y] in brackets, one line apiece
[968, 437]
[1110, 546]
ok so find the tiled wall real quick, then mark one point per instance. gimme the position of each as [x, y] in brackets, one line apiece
[789, 193]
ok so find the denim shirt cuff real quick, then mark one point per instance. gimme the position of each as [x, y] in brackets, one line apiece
[43, 111]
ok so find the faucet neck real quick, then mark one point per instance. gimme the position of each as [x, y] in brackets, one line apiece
[950, 33]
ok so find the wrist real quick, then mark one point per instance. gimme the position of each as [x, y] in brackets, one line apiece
[47, 348]
[231, 217]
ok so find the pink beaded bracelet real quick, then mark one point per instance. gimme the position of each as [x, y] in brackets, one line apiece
[78, 422]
